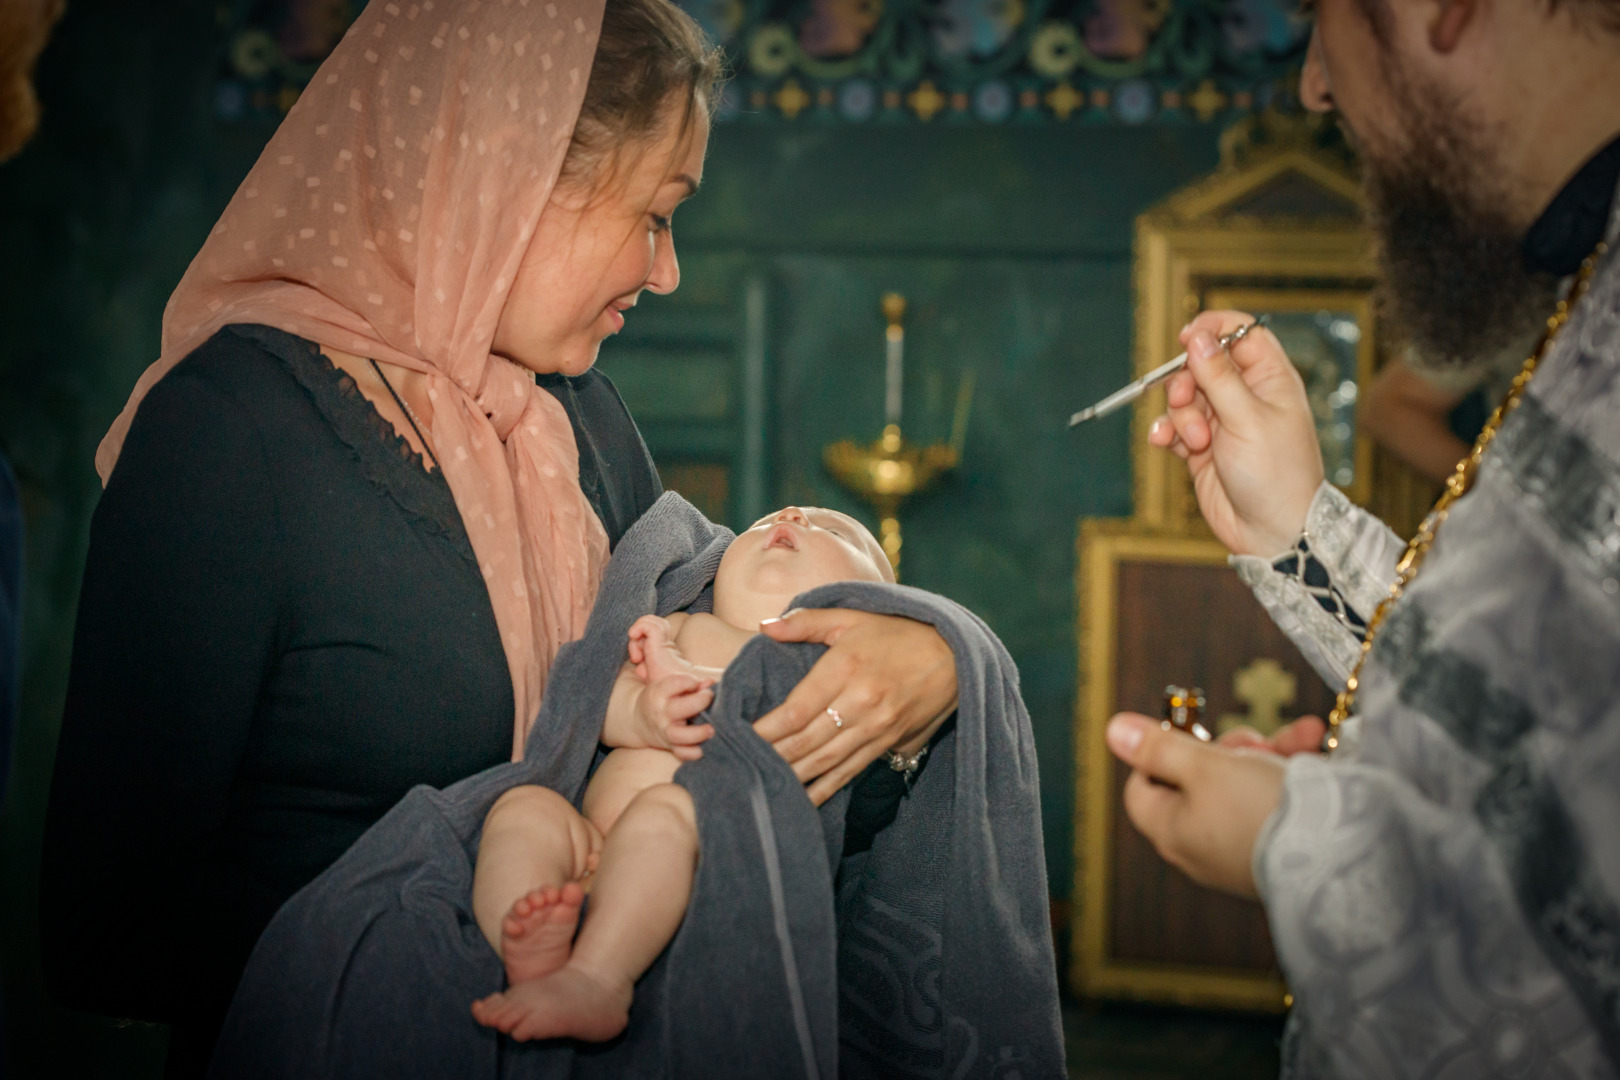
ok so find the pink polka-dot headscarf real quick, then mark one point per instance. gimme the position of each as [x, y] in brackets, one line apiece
[387, 218]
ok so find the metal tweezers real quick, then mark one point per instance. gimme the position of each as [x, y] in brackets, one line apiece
[1131, 391]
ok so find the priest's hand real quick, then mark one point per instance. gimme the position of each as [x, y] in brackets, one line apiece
[884, 683]
[1201, 806]
[1302, 736]
[1241, 421]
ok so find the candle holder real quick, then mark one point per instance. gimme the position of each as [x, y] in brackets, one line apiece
[888, 472]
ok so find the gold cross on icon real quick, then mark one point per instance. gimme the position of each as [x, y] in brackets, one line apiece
[1265, 686]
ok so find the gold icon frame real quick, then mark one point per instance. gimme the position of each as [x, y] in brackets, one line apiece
[1095, 971]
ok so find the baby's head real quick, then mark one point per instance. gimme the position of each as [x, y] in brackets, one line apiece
[790, 552]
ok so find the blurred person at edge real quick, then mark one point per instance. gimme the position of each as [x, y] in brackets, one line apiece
[24, 27]
[1444, 889]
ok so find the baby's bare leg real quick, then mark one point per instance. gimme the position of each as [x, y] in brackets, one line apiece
[642, 886]
[534, 850]
[639, 899]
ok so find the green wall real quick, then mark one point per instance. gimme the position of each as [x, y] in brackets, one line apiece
[1013, 245]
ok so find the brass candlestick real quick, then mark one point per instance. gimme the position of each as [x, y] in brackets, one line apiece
[891, 470]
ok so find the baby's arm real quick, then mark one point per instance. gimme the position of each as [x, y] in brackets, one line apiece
[657, 692]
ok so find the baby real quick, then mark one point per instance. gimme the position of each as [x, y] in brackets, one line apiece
[635, 848]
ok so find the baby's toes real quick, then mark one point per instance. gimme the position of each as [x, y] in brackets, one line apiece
[487, 1011]
[526, 910]
[528, 1027]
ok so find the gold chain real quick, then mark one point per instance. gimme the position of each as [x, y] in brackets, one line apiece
[1456, 487]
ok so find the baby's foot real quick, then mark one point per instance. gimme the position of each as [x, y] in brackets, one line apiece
[537, 935]
[567, 1003]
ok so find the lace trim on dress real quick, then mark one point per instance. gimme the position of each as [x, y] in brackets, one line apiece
[384, 456]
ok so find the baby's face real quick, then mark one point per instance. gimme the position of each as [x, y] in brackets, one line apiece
[789, 552]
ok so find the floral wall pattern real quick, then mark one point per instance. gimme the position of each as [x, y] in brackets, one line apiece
[898, 61]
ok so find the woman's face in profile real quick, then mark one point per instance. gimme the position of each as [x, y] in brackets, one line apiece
[594, 252]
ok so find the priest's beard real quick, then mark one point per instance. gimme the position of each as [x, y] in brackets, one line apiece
[1454, 282]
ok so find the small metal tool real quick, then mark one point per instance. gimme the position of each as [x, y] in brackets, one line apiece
[1131, 391]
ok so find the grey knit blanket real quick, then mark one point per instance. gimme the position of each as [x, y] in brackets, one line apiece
[928, 954]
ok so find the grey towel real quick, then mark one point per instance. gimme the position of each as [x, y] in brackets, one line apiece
[928, 955]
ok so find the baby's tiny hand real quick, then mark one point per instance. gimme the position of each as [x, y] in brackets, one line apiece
[666, 706]
[646, 634]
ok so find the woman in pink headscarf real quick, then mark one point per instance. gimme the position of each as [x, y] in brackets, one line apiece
[369, 487]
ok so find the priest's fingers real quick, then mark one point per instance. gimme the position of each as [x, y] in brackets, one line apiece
[1303, 736]
[1190, 415]
[1200, 806]
[1188, 407]
[1259, 356]
[1167, 756]
[1156, 811]
[1219, 323]
[1245, 736]
[1154, 799]
[1162, 433]
[1189, 421]
[1221, 381]
[1216, 321]
[1180, 390]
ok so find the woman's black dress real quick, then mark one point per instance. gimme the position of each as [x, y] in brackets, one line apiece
[282, 629]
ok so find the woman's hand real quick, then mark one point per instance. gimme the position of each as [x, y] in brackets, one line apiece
[1243, 424]
[1201, 806]
[888, 683]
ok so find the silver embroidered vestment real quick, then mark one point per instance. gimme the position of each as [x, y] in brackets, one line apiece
[1444, 894]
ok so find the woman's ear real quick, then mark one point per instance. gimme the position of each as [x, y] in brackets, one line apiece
[1315, 89]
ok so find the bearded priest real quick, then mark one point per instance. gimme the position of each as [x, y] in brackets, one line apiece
[1440, 860]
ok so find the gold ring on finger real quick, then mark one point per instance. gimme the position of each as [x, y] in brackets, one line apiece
[837, 717]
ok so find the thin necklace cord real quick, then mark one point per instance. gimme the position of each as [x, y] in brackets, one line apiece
[410, 417]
